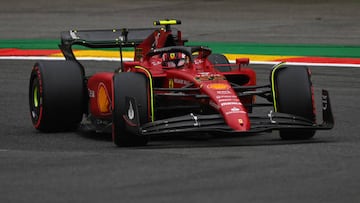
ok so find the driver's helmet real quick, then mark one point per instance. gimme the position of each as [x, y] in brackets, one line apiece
[174, 60]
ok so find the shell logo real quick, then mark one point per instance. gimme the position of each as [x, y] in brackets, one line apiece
[103, 99]
[218, 86]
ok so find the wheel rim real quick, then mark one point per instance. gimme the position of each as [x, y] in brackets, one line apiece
[35, 95]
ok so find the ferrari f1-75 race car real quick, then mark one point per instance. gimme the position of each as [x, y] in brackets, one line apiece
[168, 89]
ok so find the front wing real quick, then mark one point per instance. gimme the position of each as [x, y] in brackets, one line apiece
[215, 122]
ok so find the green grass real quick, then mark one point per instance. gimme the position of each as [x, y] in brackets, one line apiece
[221, 47]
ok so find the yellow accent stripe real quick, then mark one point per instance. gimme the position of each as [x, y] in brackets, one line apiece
[151, 91]
[258, 57]
[99, 53]
[273, 84]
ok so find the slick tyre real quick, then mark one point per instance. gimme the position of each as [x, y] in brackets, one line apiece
[294, 95]
[56, 95]
[136, 86]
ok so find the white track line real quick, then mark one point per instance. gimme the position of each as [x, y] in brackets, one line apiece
[344, 65]
[129, 59]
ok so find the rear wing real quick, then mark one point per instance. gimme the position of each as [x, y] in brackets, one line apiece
[102, 39]
[106, 38]
[142, 39]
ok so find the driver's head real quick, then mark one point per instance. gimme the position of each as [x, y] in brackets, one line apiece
[174, 60]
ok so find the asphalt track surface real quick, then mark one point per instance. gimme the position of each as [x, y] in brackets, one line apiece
[78, 167]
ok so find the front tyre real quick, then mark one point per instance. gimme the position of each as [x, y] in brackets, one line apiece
[136, 86]
[56, 95]
[293, 94]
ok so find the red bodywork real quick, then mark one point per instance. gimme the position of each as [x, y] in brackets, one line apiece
[199, 72]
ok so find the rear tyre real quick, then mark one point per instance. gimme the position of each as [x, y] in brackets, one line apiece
[134, 85]
[294, 95]
[56, 95]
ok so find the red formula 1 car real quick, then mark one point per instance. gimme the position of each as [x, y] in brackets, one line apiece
[169, 88]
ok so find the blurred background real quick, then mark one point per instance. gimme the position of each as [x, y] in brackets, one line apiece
[264, 21]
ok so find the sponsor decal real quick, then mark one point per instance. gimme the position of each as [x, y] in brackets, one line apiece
[155, 63]
[324, 102]
[201, 78]
[181, 81]
[230, 103]
[206, 76]
[226, 96]
[91, 93]
[235, 110]
[223, 92]
[228, 100]
[131, 113]
[218, 86]
[103, 99]
[198, 61]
